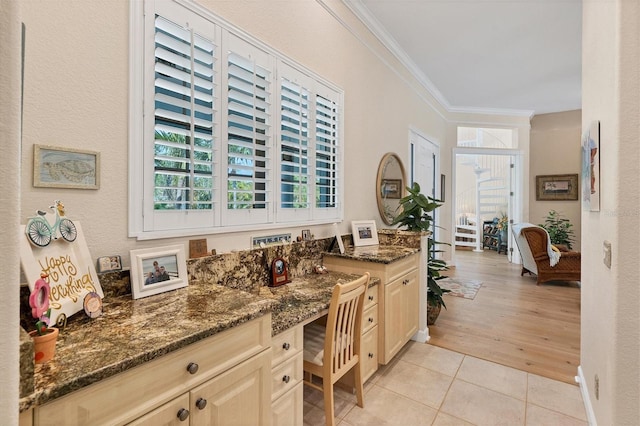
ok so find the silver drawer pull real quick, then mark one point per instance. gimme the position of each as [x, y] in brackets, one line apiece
[286, 346]
[192, 368]
[201, 403]
[183, 414]
[286, 378]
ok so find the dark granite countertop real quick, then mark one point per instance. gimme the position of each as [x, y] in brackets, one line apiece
[379, 253]
[132, 332]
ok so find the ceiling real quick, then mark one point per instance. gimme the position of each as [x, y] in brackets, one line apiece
[502, 56]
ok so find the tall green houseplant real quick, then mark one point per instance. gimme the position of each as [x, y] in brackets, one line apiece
[416, 216]
[559, 229]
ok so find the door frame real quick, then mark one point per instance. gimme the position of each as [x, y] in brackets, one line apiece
[422, 335]
[516, 185]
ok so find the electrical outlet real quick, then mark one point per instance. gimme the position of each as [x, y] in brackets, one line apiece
[596, 386]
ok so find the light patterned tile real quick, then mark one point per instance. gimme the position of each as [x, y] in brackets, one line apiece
[499, 378]
[556, 396]
[420, 384]
[482, 406]
[385, 408]
[312, 415]
[343, 401]
[432, 357]
[539, 416]
[443, 419]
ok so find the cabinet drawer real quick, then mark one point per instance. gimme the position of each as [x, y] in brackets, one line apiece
[286, 376]
[401, 267]
[286, 344]
[124, 397]
[369, 318]
[166, 414]
[371, 297]
[369, 361]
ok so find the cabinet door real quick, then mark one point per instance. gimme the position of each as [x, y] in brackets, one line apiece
[394, 318]
[411, 306]
[241, 396]
[167, 414]
[287, 410]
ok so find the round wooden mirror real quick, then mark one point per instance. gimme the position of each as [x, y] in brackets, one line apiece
[390, 186]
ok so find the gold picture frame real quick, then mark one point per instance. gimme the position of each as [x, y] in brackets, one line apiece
[557, 187]
[55, 167]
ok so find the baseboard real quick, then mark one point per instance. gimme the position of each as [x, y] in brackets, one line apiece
[422, 336]
[584, 390]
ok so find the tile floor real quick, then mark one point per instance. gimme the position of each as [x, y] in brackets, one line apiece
[463, 390]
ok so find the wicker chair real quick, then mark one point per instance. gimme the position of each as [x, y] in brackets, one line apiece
[532, 242]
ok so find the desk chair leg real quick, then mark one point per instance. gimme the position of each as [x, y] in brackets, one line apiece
[357, 383]
[329, 412]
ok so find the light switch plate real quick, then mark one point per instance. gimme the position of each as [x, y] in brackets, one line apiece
[606, 247]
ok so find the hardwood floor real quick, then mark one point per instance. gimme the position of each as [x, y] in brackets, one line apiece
[512, 321]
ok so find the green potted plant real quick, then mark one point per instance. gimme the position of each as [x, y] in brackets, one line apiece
[559, 229]
[415, 216]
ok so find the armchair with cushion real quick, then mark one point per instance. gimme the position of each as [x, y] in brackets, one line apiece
[541, 258]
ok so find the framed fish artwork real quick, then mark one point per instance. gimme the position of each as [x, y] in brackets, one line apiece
[55, 167]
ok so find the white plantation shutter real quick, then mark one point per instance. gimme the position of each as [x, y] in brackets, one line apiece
[295, 146]
[327, 155]
[184, 100]
[225, 133]
[249, 137]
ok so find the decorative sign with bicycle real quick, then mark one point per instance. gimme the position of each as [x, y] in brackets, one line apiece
[55, 245]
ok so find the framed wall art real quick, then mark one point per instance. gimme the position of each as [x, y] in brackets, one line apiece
[156, 270]
[591, 167]
[557, 187]
[364, 233]
[55, 167]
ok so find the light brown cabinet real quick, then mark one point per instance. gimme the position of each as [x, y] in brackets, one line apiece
[401, 306]
[230, 371]
[398, 299]
[286, 377]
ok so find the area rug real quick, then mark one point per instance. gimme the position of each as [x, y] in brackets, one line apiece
[461, 288]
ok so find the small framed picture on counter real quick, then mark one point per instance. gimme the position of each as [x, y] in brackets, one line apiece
[365, 233]
[109, 264]
[156, 270]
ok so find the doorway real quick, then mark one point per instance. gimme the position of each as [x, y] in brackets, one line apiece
[424, 157]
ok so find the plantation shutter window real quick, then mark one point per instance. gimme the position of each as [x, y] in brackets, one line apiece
[225, 133]
[184, 72]
[327, 153]
[295, 146]
[248, 134]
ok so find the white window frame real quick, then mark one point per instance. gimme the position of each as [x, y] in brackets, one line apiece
[144, 222]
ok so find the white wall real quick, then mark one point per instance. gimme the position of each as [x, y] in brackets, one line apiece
[555, 149]
[9, 208]
[610, 341]
[76, 93]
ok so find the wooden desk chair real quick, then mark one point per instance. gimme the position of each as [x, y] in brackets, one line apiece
[331, 351]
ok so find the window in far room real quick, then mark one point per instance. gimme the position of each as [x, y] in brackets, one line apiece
[478, 137]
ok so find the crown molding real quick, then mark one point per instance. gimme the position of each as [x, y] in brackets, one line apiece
[365, 16]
